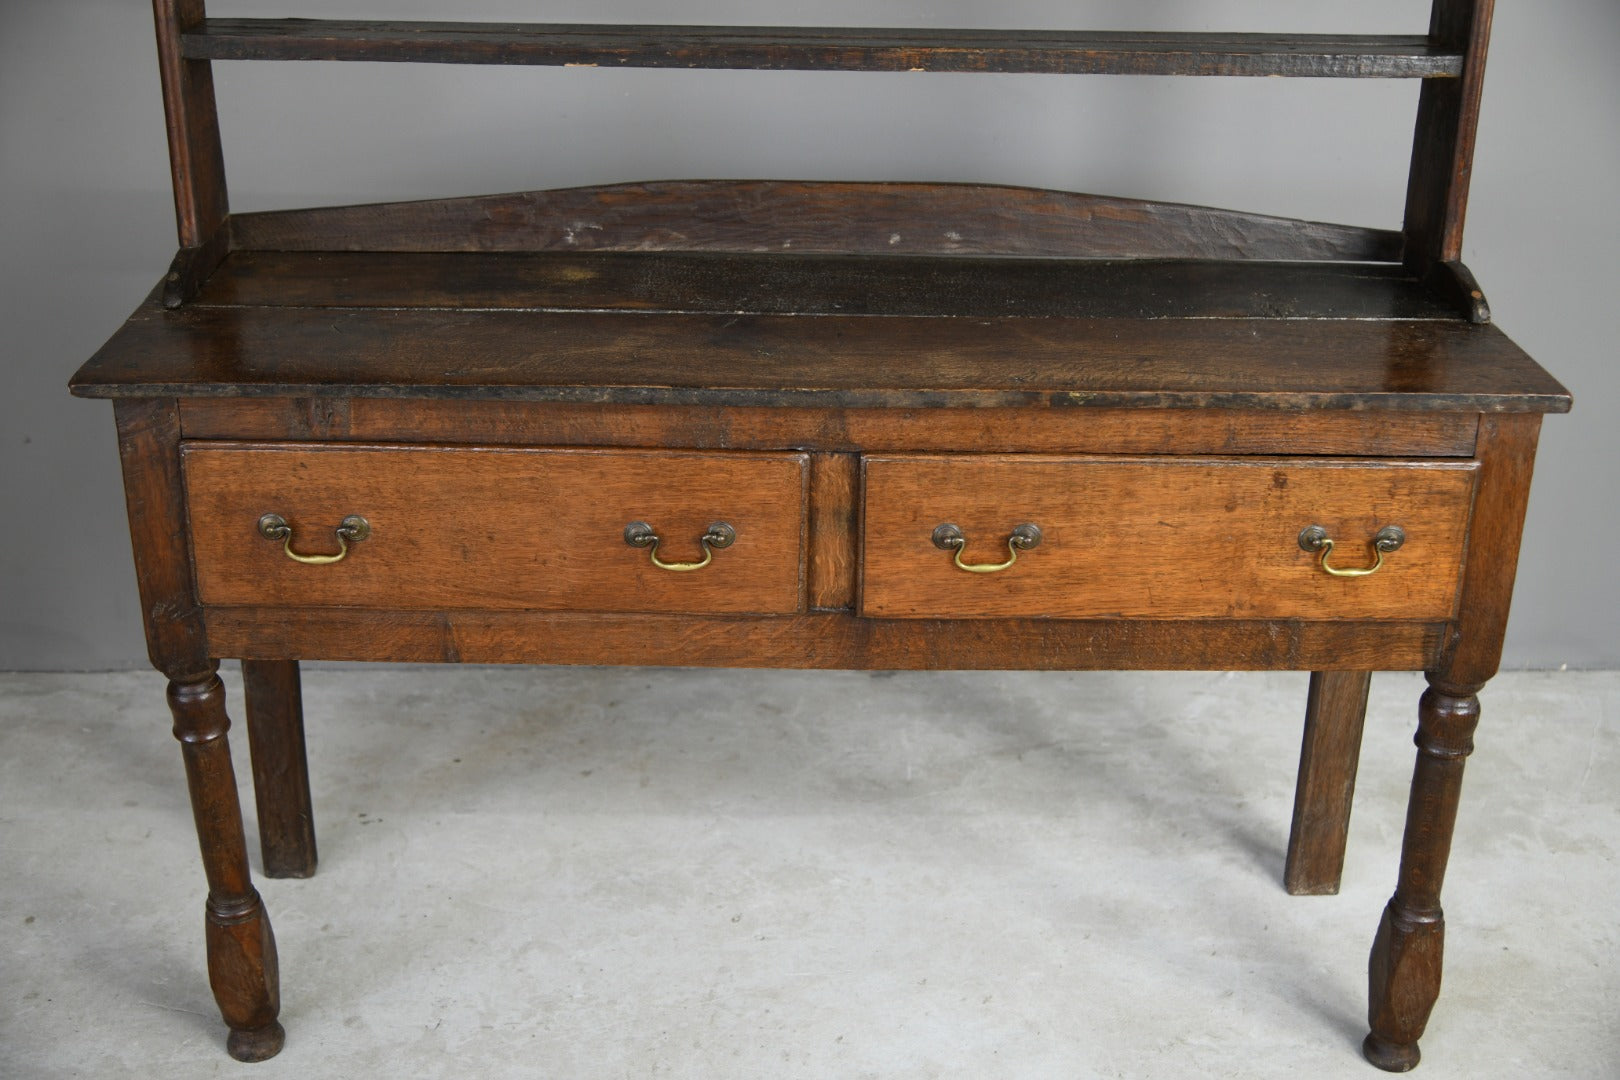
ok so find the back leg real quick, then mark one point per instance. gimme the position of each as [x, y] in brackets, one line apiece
[275, 723]
[1335, 712]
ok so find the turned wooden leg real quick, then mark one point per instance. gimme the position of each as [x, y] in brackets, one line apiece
[1404, 969]
[1334, 714]
[241, 947]
[275, 723]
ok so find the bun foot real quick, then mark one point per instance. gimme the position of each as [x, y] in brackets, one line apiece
[259, 1044]
[1390, 1056]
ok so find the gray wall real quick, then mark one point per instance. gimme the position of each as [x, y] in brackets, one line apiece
[87, 226]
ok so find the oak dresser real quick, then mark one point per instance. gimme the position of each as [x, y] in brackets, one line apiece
[824, 425]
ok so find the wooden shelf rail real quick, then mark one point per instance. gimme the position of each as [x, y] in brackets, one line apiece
[807, 48]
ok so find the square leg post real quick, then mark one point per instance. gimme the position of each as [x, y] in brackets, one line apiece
[1335, 712]
[275, 723]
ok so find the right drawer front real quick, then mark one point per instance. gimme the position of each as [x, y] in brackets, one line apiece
[1162, 538]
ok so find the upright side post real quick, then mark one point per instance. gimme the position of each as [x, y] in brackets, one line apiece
[1443, 145]
[196, 159]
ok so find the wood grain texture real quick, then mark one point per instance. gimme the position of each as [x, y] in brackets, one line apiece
[154, 494]
[811, 48]
[835, 481]
[829, 640]
[272, 694]
[192, 267]
[792, 283]
[1335, 712]
[1404, 967]
[1160, 539]
[824, 361]
[1031, 430]
[1507, 458]
[1443, 143]
[500, 384]
[1455, 285]
[813, 217]
[196, 160]
[242, 967]
[241, 946]
[498, 528]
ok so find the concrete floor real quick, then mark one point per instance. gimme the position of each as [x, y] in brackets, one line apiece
[651, 873]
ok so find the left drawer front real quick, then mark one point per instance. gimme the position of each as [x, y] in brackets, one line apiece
[497, 529]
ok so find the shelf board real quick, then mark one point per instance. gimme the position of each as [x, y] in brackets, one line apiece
[818, 331]
[805, 48]
[791, 284]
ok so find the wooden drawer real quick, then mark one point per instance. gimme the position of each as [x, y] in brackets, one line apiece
[1160, 538]
[497, 529]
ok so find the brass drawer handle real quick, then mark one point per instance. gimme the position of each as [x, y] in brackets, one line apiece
[1314, 538]
[351, 530]
[639, 534]
[950, 538]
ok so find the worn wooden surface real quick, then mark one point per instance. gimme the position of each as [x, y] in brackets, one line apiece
[1404, 967]
[835, 482]
[273, 700]
[1011, 430]
[1455, 286]
[196, 160]
[814, 217]
[242, 966]
[1507, 455]
[812, 48]
[498, 528]
[241, 947]
[834, 640]
[1160, 539]
[1443, 143]
[792, 283]
[798, 326]
[1335, 710]
[154, 498]
[829, 361]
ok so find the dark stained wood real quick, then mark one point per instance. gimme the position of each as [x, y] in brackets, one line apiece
[826, 361]
[1011, 430]
[1507, 455]
[805, 217]
[241, 946]
[193, 266]
[198, 163]
[154, 494]
[1404, 967]
[273, 699]
[1335, 710]
[421, 362]
[1443, 144]
[824, 285]
[498, 529]
[834, 531]
[1454, 285]
[807, 48]
[822, 640]
[1160, 537]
